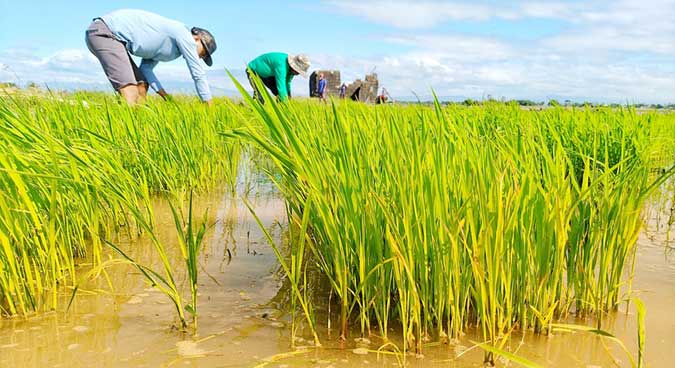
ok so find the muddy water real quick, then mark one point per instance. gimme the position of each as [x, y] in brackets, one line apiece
[131, 325]
[240, 324]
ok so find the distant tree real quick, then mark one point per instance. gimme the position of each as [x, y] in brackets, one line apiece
[470, 102]
[491, 99]
[526, 103]
[553, 103]
[585, 104]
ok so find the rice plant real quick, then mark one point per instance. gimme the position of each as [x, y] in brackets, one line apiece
[72, 174]
[432, 220]
[442, 218]
[190, 236]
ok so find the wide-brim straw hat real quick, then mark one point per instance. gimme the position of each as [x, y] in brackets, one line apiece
[300, 63]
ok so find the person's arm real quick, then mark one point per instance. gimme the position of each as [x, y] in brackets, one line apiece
[163, 94]
[288, 84]
[188, 48]
[147, 68]
[282, 86]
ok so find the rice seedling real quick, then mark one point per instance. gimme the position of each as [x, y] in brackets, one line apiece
[190, 236]
[445, 219]
[562, 327]
[295, 272]
[511, 357]
[641, 334]
[72, 174]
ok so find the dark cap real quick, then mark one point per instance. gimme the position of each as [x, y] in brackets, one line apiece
[208, 41]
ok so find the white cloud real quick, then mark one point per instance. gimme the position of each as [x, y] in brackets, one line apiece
[536, 76]
[406, 14]
[65, 66]
[457, 47]
[605, 51]
[429, 13]
[78, 68]
[619, 50]
[477, 67]
[546, 9]
[624, 25]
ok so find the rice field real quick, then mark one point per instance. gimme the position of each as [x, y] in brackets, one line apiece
[405, 226]
[75, 173]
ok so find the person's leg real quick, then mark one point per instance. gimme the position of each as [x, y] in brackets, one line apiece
[256, 93]
[130, 94]
[142, 85]
[271, 84]
[115, 60]
[142, 88]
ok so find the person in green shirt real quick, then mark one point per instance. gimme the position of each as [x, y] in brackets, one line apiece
[276, 70]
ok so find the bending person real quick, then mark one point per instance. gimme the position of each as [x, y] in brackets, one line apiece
[276, 70]
[114, 37]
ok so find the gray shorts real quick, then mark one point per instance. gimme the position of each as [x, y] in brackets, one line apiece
[115, 60]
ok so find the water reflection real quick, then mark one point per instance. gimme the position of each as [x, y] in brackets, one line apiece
[131, 325]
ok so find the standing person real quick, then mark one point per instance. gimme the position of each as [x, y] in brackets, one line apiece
[114, 37]
[276, 70]
[322, 88]
[343, 90]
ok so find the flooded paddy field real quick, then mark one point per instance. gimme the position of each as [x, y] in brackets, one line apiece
[244, 319]
[406, 223]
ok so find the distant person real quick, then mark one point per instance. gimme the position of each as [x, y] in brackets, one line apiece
[276, 70]
[114, 37]
[343, 90]
[382, 98]
[322, 90]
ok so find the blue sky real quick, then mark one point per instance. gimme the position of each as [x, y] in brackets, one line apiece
[613, 51]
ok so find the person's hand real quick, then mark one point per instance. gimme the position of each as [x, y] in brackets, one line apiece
[164, 95]
[209, 103]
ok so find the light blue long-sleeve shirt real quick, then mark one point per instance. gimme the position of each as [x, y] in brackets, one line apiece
[155, 38]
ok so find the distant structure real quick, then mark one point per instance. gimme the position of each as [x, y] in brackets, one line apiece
[359, 90]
